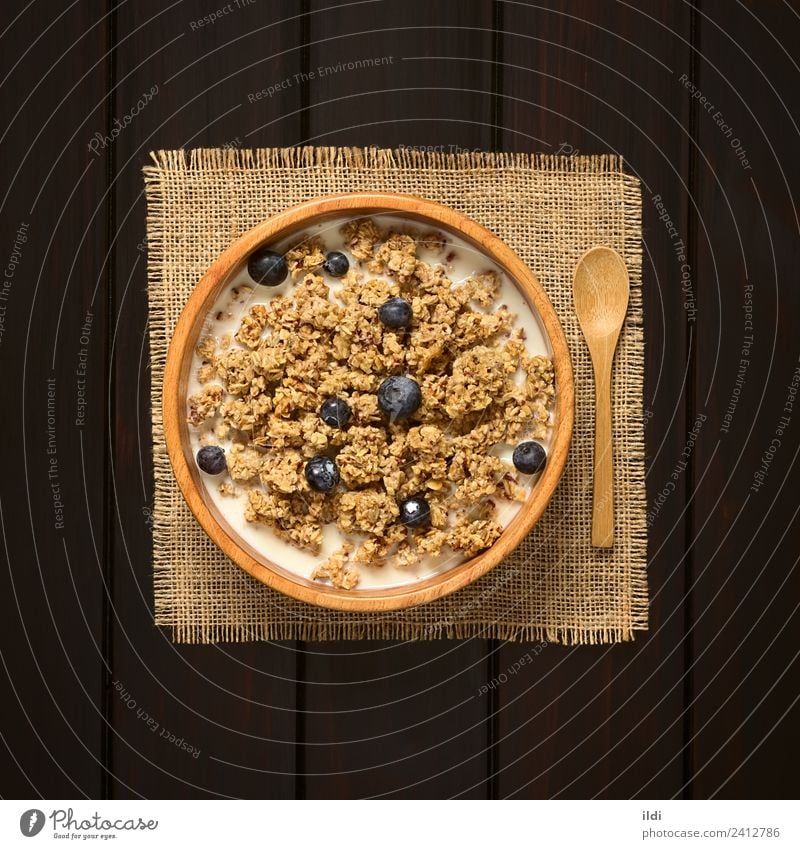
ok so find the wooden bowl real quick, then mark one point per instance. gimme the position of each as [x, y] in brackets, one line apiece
[178, 365]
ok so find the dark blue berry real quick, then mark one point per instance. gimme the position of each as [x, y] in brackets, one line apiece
[396, 312]
[529, 457]
[399, 397]
[211, 460]
[415, 512]
[336, 264]
[335, 412]
[267, 267]
[322, 473]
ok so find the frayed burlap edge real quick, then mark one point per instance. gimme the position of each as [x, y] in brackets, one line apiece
[367, 626]
[224, 159]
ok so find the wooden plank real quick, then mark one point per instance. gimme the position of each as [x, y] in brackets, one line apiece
[53, 318]
[403, 719]
[746, 581]
[593, 77]
[233, 703]
[391, 719]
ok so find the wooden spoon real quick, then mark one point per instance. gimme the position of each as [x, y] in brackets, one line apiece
[600, 289]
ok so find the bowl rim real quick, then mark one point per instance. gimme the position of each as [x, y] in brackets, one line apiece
[178, 364]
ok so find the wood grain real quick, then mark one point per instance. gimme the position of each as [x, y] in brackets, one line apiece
[583, 78]
[745, 581]
[235, 703]
[704, 704]
[53, 508]
[422, 99]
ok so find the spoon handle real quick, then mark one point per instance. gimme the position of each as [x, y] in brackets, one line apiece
[603, 495]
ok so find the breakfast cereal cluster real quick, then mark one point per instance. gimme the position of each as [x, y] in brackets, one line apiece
[264, 389]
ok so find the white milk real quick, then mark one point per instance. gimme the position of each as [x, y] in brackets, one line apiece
[466, 262]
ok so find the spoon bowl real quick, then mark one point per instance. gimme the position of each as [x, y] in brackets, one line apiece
[601, 289]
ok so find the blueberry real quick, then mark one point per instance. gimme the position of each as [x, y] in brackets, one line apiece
[336, 264]
[335, 412]
[415, 512]
[322, 473]
[267, 267]
[396, 312]
[529, 457]
[399, 397]
[211, 460]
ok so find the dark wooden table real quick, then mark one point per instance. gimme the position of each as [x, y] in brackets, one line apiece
[702, 99]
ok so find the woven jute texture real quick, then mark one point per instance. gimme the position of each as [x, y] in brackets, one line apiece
[549, 210]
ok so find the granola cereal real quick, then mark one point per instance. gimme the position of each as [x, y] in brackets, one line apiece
[274, 357]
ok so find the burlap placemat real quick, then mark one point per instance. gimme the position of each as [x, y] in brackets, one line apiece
[549, 210]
